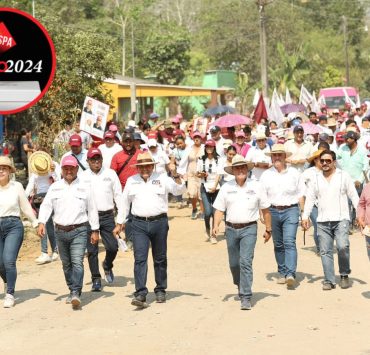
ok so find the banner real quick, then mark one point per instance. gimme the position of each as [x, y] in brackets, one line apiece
[94, 117]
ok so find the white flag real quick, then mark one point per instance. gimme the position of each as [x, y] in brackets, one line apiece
[321, 101]
[348, 99]
[358, 101]
[288, 99]
[315, 107]
[275, 111]
[281, 100]
[305, 98]
[256, 98]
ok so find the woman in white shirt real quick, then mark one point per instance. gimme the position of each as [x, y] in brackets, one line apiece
[207, 170]
[159, 156]
[227, 161]
[13, 201]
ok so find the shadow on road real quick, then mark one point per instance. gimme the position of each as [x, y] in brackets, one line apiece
[26, 295]
[87, 297]
[256, 297]
[366, 294]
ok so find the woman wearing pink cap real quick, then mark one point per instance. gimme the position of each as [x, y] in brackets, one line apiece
[240, 145]
[207, 170]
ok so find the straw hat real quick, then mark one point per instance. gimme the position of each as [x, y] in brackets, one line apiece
[5, 161]
[145, 159]
[238, 160]
[314, 155]
[40, 163]
[331, 122]
[277, 149]
[260, 135]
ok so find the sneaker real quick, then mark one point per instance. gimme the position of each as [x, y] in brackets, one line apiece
[44, 258]
[75, 300]
[201, 216]
[96, 285]
[245, 304]
[290, 281]
[281, 280]
[9, 301]
[54, 256]
[160, 297]
[327, 286]
[69, 299]
[344, 282]
[194, 214]
[109, 276]
[213, 240]
[139, 301]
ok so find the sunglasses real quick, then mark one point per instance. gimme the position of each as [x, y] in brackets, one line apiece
[326, 161]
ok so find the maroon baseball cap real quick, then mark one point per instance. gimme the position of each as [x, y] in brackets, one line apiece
[109, 134]
[75, 140]
[210, 143]
[93, 152]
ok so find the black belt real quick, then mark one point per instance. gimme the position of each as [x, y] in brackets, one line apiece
[9, 217]
[104, 213]
[152, 218]
[284, 207]
[71, 227]
[240, 225]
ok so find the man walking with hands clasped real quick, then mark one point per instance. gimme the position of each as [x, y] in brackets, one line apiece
[242, 198]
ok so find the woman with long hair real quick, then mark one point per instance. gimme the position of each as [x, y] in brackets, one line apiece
[207, 170]
[13, 202]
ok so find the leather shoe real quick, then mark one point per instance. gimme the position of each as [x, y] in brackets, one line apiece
[96, 285]
[139, 301]
[160, 297]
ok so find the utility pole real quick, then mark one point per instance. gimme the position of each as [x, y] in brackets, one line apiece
[263, 46]
[133, 49]
[345, 39]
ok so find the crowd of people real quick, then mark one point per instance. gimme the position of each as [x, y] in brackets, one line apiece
[308, 170]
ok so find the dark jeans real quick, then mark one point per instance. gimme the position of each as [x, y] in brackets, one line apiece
[50, 234]
[71, 246]
[128, 227]
[208, 199]
[145, 234]
[313, 217]
[11, 238]
[107, 225]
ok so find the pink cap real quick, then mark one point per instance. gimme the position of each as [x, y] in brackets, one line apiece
[93, 152]
[210, 143]
[69, 160]
[240, 134]
[113, 128]
[152, 135]
[175, 120]
[75, 140]
[179, 116]
[197, 134]
[109, 134]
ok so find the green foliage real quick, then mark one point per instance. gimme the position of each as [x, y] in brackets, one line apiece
[166, 53]
[332, 77]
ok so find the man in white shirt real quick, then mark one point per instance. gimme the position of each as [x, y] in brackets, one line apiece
[331, 189]
[85, 137]
[159, 156]
[107, 193]
[78, 152]
[257, 156]
[147, 194]
[74, 209]
[242, 199]
[300, 150]
[284, 190]
[215, 132]
[109, 148]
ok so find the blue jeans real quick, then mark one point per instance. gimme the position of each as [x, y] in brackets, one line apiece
[328, 231]
[240, 247]
[284, 233]
[145, 234]
[313, 217]
[11, 238]
[107, 224]
[367, 241]
[208, 199]
[71, 246]
[50, 234]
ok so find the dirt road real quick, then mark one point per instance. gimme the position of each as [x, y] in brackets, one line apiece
[201, 315]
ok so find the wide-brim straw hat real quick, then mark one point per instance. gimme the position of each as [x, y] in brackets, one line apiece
[277, 149]
[40, 163]
[5, 161]
[144, 159]
[238, 160]
[314, 155]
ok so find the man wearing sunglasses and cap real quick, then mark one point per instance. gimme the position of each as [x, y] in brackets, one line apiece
[75, 212]
[147, 194]
[107, 194]
[331, 190]
[242, 198]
